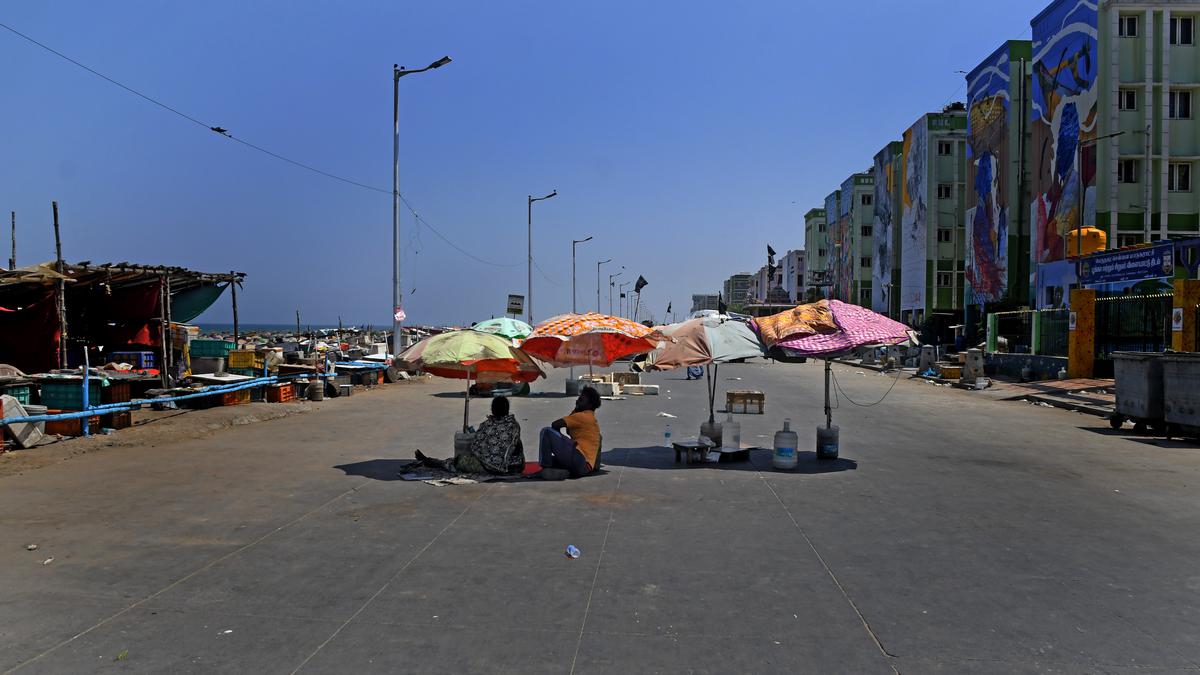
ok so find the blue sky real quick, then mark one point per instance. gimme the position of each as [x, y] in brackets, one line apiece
[683, 136]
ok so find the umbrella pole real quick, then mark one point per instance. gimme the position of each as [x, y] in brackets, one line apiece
[712, 391]
[467, 403]
[828, 413]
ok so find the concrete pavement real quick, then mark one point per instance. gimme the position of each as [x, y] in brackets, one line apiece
[955, 534]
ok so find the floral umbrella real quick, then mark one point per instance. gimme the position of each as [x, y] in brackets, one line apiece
[471, 355]
[591, 339]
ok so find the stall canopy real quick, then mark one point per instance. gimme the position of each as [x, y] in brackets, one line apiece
[114, 304]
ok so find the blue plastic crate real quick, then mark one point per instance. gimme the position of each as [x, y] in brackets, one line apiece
[213, 349]
[68, 395]
[139, 360]
[21, 392]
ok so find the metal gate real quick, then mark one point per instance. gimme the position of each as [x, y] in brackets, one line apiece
[1133, 323]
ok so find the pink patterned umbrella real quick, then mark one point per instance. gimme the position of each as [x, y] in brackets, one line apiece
[858, 326]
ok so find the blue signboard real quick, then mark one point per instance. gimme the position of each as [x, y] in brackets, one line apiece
[1140, 263]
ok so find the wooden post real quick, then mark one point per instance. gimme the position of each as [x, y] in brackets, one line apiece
[62, 292]
[169, 347]
[1082, 336]
[297, 325]
[12, 261]
[233, 291]
[162, 331]
[1186, 298]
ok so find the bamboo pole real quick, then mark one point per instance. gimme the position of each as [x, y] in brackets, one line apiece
[233, 290]
[12, 261]
[61, 300]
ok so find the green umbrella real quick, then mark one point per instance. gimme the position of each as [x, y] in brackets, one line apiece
[504, 327]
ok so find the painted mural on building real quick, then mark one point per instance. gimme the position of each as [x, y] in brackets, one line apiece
[914, 193]
[987, 159]
[1065, 64]
[881, 228]
[842, 242]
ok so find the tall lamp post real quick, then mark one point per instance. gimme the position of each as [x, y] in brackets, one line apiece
[397, 291]
[598, 264]
[1079, 183]
[610, 287]
[574, 243]
[621, 296]
[529, 262]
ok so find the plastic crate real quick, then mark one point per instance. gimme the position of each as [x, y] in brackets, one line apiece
[68, 395]
[235, 397]
[71, 427]
[245, 358]
[216, 349]
[120, 420]
[139, 360]
[116, 392]
[21, 392]
[281, 393]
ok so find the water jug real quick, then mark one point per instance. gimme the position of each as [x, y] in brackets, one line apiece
[786, 441]
[731, 432]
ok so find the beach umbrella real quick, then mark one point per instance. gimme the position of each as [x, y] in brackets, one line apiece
[707, 341]
[471, 355]
[591, 339]
[512, 329]
[804, 331]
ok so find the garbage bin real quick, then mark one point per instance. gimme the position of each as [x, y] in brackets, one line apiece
[1181, 390]
[1139, 380]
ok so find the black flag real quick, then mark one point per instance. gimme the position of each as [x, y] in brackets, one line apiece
[641, 283]
[668, 308]
[722, 308]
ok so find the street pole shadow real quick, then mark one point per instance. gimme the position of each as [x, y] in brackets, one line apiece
[376, 469]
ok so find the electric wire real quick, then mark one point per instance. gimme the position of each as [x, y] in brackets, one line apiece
[224, 132]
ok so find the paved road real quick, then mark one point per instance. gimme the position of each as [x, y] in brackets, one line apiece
[956, 534]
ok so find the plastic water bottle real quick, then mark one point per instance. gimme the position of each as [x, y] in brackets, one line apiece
[786, 441]
[667, 435]
[572, 551]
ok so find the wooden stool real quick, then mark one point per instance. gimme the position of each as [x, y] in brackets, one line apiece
[747, 401]
[689, 450]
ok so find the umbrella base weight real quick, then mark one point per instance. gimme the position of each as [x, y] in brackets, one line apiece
[712, 431]
[827, 442]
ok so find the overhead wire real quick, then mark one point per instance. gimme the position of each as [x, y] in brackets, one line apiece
[224, 132]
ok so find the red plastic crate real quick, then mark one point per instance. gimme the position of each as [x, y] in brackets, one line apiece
[71, 427]
[235, 397]
[281, 393]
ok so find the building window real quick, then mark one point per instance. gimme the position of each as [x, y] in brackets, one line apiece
[1127, 25]
[864, 261]
[945, 191]
[1124, 240]
[867, 230]
[1179, 105]
[1127, 99]
[1179, 177]
[1181, 30]
[945, 148]
[1127, 171]
[820, 254]
[820, 228]
[945, 235]
[864, 299]
[866, 200]
[944, 279]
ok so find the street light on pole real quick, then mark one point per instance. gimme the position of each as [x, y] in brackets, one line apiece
[397, 292]
[529, 265]
[598, 264]
[621, 296]
[610, 287]
[574, 242]
[1079, 184]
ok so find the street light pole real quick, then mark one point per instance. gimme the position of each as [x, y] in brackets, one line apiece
[529, 262]
[397, 291]
[621, 297]
[598, 264]
[573, 296]
[610, 287]
[1079, 185]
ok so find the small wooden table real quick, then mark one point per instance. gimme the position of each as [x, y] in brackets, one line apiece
[741, 401]
[689, 450]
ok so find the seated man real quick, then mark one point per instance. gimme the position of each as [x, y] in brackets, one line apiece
[495, 448]
[575, 454]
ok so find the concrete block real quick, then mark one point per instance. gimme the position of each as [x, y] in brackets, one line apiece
[640, 389]
[607, 388]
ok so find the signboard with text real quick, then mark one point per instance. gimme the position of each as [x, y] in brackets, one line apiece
[516, 304]
[1149, 262]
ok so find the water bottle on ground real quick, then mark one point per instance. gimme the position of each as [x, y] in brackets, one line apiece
[667, 435]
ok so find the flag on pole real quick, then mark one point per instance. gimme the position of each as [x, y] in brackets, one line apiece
[641, 283]
[668, 308]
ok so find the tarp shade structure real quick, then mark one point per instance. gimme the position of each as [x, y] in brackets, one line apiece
[590, 339]
[115, 316]
[29, 335]
[191, 302]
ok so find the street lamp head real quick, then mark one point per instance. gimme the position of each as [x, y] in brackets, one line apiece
[440, 62]
[580, 241]
[601, 262]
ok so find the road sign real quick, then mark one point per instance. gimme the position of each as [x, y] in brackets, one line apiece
[516, 304]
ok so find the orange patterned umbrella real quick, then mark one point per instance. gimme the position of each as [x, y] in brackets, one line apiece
[590, 339]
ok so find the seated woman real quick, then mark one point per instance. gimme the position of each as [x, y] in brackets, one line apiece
[496, 447]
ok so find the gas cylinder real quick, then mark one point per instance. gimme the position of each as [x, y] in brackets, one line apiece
[786, 441]
[731, 432]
